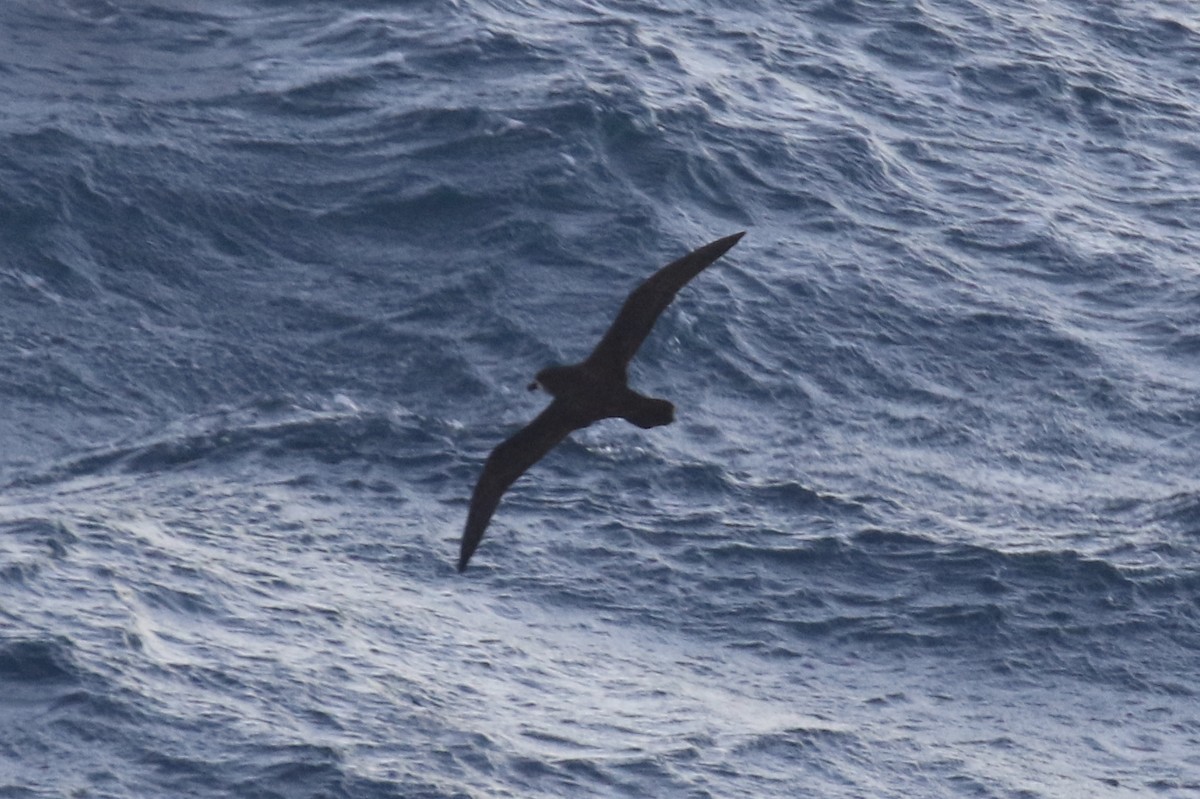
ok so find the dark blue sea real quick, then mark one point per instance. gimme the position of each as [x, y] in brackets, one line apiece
[274, 275]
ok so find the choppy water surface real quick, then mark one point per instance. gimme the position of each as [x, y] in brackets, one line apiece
[274, 277]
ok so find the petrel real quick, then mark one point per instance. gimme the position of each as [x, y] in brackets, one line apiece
[593, 389]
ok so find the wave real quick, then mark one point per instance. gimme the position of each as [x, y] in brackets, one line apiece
[782, 594]
[273, 431]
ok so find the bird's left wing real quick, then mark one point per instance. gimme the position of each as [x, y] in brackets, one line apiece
[507, 462]
[644, 305]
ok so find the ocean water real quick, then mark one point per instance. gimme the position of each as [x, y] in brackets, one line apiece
[273, 278]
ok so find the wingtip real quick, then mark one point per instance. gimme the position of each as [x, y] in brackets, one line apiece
[716, 249]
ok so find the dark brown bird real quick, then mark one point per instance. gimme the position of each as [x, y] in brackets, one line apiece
[594, 389]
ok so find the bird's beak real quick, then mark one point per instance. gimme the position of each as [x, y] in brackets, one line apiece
[533, 386]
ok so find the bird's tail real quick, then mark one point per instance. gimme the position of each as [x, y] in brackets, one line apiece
[647, 413]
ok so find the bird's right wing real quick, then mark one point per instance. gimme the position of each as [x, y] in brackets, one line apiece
[507, 462]
[645, 303]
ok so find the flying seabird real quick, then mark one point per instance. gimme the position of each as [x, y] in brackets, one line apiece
[593, 389]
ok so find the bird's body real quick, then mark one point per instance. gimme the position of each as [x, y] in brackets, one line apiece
[592, 395]
[586, 392]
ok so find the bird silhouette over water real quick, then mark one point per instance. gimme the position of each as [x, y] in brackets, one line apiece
[593, 389]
